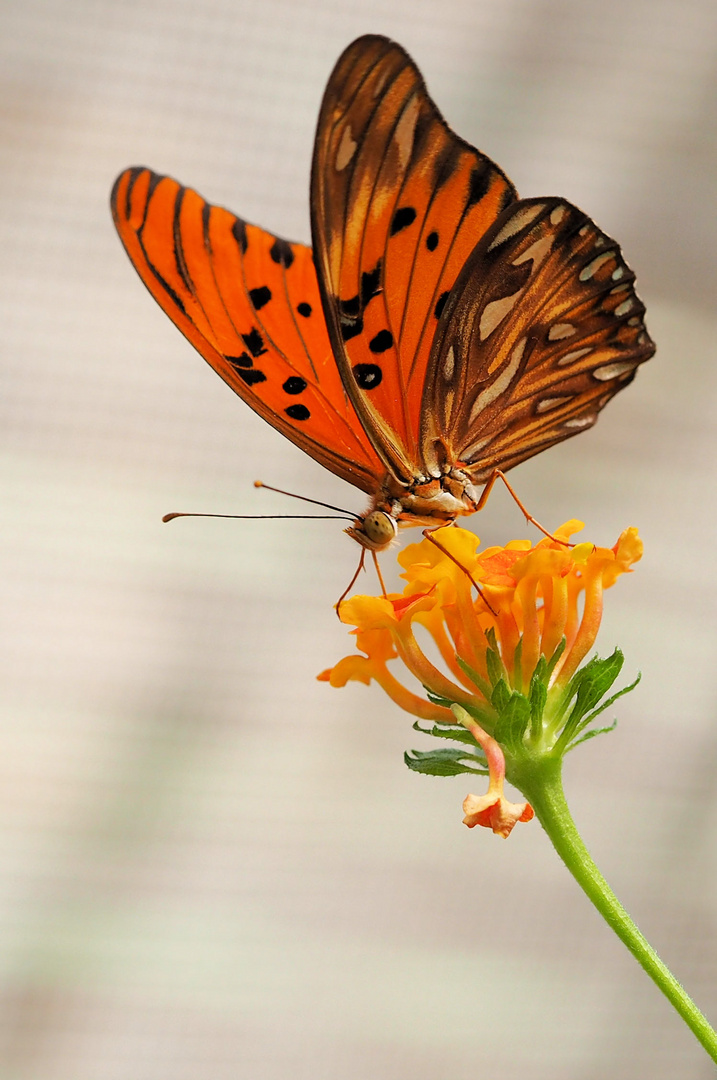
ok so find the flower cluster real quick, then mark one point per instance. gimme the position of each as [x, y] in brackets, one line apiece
[508, 628]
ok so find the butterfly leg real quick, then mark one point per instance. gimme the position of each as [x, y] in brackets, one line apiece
[351, 584]
[380, 575]
[428, 533]
[498, 475]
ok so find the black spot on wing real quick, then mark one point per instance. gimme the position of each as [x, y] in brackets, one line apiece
[259, 297]
[506, 199]
[304, 309]
[445, 165]
[294, 385]
[350, 307]
[239, 234]
[404, 216]
[367, 376]
[252, 376]
[281, 253]
[441, 303]
[382, 341]
[297, 412]
[350, 327]
[242, 361]
[350, 319]
[254, 342]
[432, 241]
[478, 185]
[370, 284]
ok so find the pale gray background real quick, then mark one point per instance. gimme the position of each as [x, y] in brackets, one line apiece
[211, 866]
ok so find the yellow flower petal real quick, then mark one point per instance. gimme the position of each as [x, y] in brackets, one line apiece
[531, 598]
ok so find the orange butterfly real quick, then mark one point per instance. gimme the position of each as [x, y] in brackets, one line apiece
[440, 332]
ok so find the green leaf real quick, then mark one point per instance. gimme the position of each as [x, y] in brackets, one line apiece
[448, 762]
[446, 731]
[540, 670]
[473, 675]
[538, 696]
[606, 705]
[518, 663]
[500, 697]
[589, 684]
[559, 650]
[496, 671]
[592, 734]
[436, 699]
[513, 720]
[493, 661]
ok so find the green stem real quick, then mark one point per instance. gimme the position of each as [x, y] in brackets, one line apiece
[542, 786]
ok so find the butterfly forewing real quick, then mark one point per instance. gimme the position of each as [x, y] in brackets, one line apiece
[398, 204]
[542, 329]
[439, 330]
[249, 302]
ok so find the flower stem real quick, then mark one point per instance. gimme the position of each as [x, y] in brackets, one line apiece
[542, 786]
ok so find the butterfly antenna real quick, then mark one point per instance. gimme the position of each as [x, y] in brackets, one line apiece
[293, 495]
[263, 517]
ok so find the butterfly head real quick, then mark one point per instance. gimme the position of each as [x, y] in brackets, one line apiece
[374, 530]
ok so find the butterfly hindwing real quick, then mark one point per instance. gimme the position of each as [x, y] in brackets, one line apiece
[542, 329]
[440, 329]
[250, 303]
[398, 204]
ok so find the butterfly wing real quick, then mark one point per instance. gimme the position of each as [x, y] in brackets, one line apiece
[398, 203]
[542, 329]
[249, 302]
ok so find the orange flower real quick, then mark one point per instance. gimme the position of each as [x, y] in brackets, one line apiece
[491, 810]
[509, 655]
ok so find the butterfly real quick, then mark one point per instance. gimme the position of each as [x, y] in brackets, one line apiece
[440, 331]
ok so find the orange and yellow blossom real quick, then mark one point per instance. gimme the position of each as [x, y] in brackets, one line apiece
[541, 601]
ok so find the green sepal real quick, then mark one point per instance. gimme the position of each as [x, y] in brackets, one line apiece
[559, 650]
[596, 712]
[493, 661]
[436, 699]
[538, 696]
[513, 719]
[500, 697]
[447, 731]
[592, 734]
[610, 701]
[587, 686]
[483, 715]
[518, 664]
[446, 762]
[473, 675]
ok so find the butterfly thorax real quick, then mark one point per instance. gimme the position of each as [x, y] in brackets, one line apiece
[428, 501]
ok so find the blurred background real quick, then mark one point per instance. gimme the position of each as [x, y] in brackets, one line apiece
[212, 866]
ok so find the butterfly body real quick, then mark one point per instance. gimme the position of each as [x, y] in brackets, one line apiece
[428, 501]
[441, 329]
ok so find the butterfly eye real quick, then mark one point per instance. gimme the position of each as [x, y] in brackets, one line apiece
[378, 529]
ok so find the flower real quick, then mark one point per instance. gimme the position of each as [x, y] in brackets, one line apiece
[491, 810]
[510, 627]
